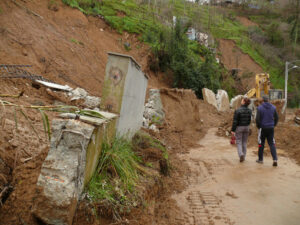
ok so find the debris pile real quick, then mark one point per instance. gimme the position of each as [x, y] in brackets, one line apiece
[154, 114]
[90, 102]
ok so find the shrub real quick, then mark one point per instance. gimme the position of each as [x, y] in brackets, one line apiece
[175, 52]
[274, 35]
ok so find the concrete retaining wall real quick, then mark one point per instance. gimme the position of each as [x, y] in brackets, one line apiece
[124, 92]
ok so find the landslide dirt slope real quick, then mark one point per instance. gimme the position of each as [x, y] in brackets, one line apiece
[65, 45]
[233, 58]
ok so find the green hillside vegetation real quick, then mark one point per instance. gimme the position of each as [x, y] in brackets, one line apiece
[190, 65]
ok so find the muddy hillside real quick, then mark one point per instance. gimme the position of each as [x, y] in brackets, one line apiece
[181, 167]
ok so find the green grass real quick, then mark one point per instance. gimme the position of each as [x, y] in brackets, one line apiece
[144, 140]
[140, 19]
[76, 41]
[135, 19]
[116, 177]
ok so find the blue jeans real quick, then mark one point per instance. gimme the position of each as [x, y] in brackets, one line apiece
[263, 134]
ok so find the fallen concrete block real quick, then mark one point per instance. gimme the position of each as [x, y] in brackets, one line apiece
[62, 175]
[209, 97]
[236, 102]
[222, 101]
[72, 159]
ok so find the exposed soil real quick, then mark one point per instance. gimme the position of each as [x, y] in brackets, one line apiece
[233, 58]
[64, 46]
[221, 190]
[206, 185]
[246, 22]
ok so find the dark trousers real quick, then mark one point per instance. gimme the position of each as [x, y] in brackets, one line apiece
[262, 135]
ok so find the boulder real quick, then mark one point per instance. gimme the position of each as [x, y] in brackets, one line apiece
[235, 102]
[209, 97]
[78, 93]
[92, 102]
[222, 101]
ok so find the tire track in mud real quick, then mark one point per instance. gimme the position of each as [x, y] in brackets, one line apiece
[221, 190]
[200, 206]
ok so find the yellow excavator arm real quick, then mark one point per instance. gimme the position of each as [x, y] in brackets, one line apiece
[262, 86]
[251, 93]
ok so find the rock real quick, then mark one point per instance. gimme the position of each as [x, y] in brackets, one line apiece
[235, 102]
[222, 101]
[78, 93]
[86, 100]
[92, 102]
[154, 112]
[154, 128]
[209, 97]
[145, 122]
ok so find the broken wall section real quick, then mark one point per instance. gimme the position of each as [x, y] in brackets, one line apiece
[154, 113]
[72, 159]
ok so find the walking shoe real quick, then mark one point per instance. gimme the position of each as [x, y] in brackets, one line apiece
[242, 158]
[260, 161]
[275, 163]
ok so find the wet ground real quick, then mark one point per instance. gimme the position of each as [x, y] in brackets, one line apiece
[221, 190]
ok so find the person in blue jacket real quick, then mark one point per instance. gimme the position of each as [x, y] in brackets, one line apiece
[266, 120]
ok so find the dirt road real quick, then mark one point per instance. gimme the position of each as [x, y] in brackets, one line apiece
[221, 190]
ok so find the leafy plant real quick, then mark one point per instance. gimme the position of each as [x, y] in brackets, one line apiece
[144, 140]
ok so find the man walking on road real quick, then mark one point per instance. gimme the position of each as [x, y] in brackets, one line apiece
[266, 120]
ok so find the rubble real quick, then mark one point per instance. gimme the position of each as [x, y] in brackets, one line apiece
[222, 101]
[235, 102]
[209, 97]
[154, 113]
[88, 101]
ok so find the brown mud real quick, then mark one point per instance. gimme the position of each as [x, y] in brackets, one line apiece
[233, 58]
[69, 48]
[221, 190]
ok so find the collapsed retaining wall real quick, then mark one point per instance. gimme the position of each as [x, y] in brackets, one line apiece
[76, 141]
[72, 159]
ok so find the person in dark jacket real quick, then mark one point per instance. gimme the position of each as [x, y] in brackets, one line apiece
[240, 127]
[266, 120]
